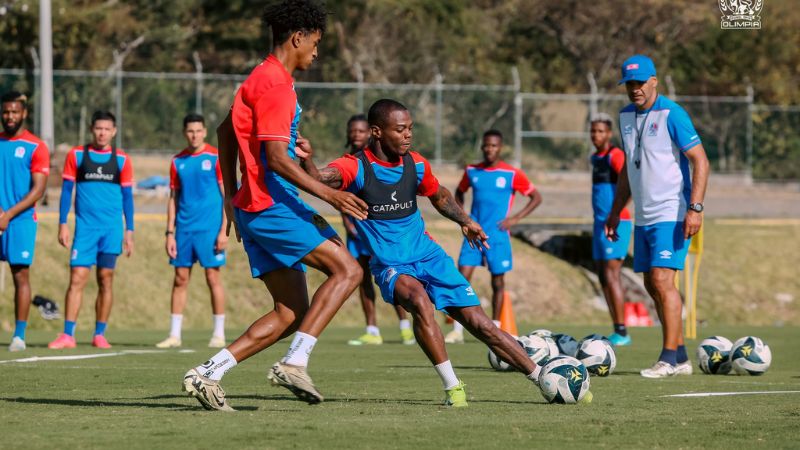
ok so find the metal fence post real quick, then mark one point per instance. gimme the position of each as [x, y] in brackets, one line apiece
[593, 93]
[517, 160]
[360, 89]
[117, 71]
[749, 142]
[198, 91]
[438, 154]
[37, 112]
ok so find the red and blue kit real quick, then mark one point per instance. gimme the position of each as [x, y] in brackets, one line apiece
[104, 179]
[493, 192]
[606, 166]
[278, 228]
[195, 177]
[394, 231]
[20, 158]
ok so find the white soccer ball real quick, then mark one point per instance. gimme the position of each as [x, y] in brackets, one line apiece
[564, 380]
[541, 332]
[598, 356]
[497, 363]
[536, 347]
[750, 356]
[552, 347]
[714, 355]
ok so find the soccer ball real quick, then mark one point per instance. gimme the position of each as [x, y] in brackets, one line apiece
[551, 346]
[714, 355]
[593, 336]
[564, 380]
[536, 347]
[750, 355]
[497, 363]
[541, 332]
[598, 356]
[567, 345]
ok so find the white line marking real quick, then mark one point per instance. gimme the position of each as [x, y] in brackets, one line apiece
[720, 394]
[89, 356]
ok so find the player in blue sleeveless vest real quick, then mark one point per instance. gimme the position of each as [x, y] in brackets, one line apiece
[102, 176]
[660, 143]
[357, 138]
[409, 266]
[494, 185]
[194, 232]
[607, 162]
[24, 167]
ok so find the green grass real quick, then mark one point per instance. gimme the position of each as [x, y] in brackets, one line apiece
[386, 397]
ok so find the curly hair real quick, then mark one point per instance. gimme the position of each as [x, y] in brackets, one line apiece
[289, 16]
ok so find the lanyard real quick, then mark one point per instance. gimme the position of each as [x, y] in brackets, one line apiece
[637, 150]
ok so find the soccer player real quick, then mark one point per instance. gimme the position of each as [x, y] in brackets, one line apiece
[280, 232]
[102, 176]
[24, 167]
[494, 184]
[357, 138]
[660, 142]
[607, 162]
[409, 266]
[194, 231]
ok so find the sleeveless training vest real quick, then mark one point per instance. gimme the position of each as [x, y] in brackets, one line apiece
[601, 169]
[389, 201]
[107, 172]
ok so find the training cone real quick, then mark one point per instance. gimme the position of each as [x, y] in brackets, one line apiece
[631, 315]
[644, 315]
[507, 321]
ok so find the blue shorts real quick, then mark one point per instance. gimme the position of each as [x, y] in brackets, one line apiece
[18, 242]
[497, 258]
[356, 248]
[194, 246]
[281, 235]
[604, 249]
[438, 274]
[659, 245]
[99, 246]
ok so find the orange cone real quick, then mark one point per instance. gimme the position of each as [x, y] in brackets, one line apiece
[507, 321]
[631, 315]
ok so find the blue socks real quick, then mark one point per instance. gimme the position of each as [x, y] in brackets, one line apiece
[669, 356]
[69, 328]
[19, 328]
[100, 328]
[620, 329]
[681, 356]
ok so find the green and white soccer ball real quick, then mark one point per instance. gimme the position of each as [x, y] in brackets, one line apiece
[552, 347]
[750, 356]
[564, 380]
[714, 355]
[497, 363]
[598, 356]
[536, 347]
[541, 332]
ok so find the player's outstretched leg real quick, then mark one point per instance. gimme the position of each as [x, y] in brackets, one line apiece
[410, 293]
[344, 274]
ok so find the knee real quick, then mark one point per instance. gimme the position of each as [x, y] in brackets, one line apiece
[498, 283]
[609, 275]
[212, 278]
[290, 318]
[21, 276]
[181, 280]
[419, 305]
[105, 279]
[353, 274]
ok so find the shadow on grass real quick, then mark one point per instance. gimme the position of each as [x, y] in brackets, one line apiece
[387, 401]
[103, 403]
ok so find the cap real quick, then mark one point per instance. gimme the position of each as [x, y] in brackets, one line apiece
[639, 68]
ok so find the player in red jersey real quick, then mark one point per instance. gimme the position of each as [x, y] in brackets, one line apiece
[279, 231]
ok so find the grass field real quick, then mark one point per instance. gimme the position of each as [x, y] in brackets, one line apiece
[387, 397]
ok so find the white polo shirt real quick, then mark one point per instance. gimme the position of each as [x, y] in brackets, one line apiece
[654, 141]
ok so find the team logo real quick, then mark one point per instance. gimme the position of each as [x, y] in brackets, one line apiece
[469, 290]
[220, 256]
[746, 350]
[206, 165]
[19, 152]
[500, 182]
[506, 263]
[633, 66]
[75, 254]
[181, 166]
[391, 272]
[652, 130]
[609, 250]
[665, 254]
[575, 375]
[25, 254]
[319, 222]
[474, 180]
[741, 14]
[627, 129]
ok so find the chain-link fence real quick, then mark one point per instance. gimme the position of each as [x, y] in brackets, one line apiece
[546, 131]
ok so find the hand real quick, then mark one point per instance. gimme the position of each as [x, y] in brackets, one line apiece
[231, 217]
[171, 246]
[611, 227]
[303, 148]
[692, 223]
[127, 243]
[475, 235]
[347, 203]
[3, 221]
[507, 223]
[222, 242]
[63, 235]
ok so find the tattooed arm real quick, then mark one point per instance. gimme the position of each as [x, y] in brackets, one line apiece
[447, 206]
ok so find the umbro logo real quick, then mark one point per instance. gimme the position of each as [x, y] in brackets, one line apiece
[665, 254]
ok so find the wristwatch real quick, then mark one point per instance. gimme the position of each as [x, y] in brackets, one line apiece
[168, 232]
[696, 207]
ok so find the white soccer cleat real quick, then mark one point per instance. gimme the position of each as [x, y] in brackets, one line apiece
[296, 379]
[684, 368]
[170, 342]
[17, 344]
[208, 392]
[216, 342]
[454, 337]
[660, 369]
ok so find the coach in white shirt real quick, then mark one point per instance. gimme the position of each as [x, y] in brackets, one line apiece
[660, 144]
